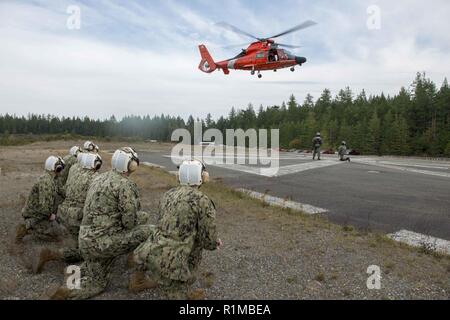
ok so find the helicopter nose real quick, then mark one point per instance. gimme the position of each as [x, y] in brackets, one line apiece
[300, 60]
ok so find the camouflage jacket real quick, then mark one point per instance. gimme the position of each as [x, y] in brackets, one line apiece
[74, 170]
[316, 142]
[69, 161]
[41, 200]
[71, 210]
[186, 226]
[342, 150]
[111, 207]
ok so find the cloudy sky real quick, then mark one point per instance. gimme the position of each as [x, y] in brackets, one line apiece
[141, 57]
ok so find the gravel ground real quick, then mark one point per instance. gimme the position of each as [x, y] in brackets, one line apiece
[268, 253]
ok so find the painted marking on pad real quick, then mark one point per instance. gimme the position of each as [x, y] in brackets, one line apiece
[283, 203]
[152, 165]
[421, 240]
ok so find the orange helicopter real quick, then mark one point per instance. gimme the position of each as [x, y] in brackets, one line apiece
[263, 54]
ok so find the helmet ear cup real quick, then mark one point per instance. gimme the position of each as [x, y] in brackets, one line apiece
[98, 165]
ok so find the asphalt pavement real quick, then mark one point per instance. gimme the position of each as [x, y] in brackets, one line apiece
[385, 194]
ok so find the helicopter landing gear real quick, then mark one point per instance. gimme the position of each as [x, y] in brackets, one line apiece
[292, 69]
[274, 70]
[259, 75]
[252, 72]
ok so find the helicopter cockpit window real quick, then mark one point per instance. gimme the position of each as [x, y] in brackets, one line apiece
[273, 55]
[289, 55]
[260, 55]
[283, 54]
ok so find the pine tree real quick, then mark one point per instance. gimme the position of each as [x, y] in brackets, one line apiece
[208, 121]
[412, 122]
[292, 107]
[374, 135]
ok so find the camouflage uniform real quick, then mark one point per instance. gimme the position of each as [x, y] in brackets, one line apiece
[109, 229]
[61, 180]
[173, 252]
[41, 203]
[70, 212]
[342, 151]
[69, 161]
[317, 142]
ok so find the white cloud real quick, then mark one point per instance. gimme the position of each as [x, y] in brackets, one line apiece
[99, 70]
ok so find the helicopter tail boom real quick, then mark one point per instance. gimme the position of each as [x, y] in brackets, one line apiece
[207, 63]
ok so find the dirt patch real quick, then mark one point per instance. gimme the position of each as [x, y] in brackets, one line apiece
[268, 253]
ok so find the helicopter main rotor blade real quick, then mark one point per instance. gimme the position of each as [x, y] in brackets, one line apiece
[288, 45]
[233, 46]
[301, 26]
[235, 29]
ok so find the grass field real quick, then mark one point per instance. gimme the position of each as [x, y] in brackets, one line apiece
[268, 253]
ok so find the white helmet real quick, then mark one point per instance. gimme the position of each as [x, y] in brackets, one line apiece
[91, 161]
[90, 146]
[192, 173]
[54, 164]
[74, 151]
[125, 160]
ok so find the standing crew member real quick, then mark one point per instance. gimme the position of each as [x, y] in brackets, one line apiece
[316, 142]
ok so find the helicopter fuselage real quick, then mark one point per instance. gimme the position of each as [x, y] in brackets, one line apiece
[259, 56]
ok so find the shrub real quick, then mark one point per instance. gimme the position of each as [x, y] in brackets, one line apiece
[295, 144]
[447, 150]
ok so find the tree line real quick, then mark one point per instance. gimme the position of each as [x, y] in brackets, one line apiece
[416, 121]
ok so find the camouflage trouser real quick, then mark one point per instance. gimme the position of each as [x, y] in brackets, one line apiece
[98, 259]
[44, 230]
[95, 276]
[195, 258]
[70, 252]
[70, 217]
[73, 254]
[143, 217]
[316, 151]
[343, 157]
[173, 289]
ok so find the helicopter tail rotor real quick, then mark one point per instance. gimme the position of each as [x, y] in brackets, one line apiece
[207, 63]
